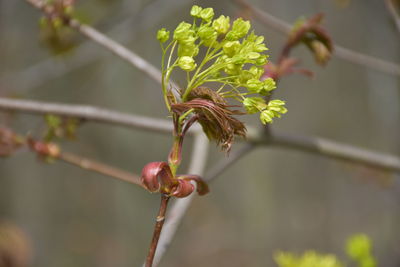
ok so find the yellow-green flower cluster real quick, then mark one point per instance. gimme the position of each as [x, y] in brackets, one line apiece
[308, 259]
[359, 248]
[234, 57]
[273, 109]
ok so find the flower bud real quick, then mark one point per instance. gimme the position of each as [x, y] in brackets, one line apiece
[162, 35]
[268, 85]
[231, 48]
[254, 104]
[206, 32]
[207, 14]
[266, 116]
[221, 24]
[195, 11]
[254, 85]
[182, 31]
[240, 28]
[187, 63]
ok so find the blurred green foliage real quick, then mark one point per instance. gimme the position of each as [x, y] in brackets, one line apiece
[358, 248]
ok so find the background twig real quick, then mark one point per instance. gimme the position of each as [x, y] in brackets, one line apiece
[98, 167]
[226, 162]
[113, 46]
[339, 51]
[311, 144]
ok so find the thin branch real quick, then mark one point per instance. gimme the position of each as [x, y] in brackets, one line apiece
[50, 68]
[226, 162]
[391, 7]
[339, 51]
[113, 46]
[336, 150]
[157, 230]
[311, 144]
[180, 206]
[87, 113]
[98, 167]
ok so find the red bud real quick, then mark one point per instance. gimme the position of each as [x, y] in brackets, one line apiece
[184, 189]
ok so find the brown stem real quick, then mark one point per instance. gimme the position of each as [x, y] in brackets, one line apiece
[157, 230]
[98, 167]
[54, 151]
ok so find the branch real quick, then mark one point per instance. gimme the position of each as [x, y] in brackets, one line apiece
[87, 113]
[98, 167]
[391, 7]
[180, 206]
[226, 162]
[157, 230]
[340, 51]
[310, 144]
[116, 48]
[39, 73]
[331, 149]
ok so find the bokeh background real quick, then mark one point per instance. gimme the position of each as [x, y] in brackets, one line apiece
[272, 199]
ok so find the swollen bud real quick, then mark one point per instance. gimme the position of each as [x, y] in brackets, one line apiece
[162, 35]
[187, 63]
[207, 14]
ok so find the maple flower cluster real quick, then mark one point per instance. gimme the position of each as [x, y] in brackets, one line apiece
[233, 57]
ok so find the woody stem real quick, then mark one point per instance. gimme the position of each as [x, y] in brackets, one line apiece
[157, 230]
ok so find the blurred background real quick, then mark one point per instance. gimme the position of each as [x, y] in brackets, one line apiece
[272, 199]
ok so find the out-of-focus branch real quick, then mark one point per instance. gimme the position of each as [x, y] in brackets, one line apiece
[98, 167]
[10, 142]
[332, 149]
[226, 162]
[393, 10]
[39, 73]
[310, 144]
[180, 206]
[116, 48]
[87, 113]
[339, 51]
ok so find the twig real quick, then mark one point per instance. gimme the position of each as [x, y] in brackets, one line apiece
[339, 51]
[39, 73]
[180, 206]
[98, 167]
[87, 113]
[311, 144]
[336, 150]
[390, 6]
[111, 45]
[223, 164]
[46, 149]
[157, 230]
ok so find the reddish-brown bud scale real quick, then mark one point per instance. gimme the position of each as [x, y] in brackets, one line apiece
[157, 177]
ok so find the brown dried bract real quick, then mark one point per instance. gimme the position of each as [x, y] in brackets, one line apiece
[214, 116]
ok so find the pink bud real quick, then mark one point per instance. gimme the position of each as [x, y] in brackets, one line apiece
[202, 186]
[183, 189]
[156, 175]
